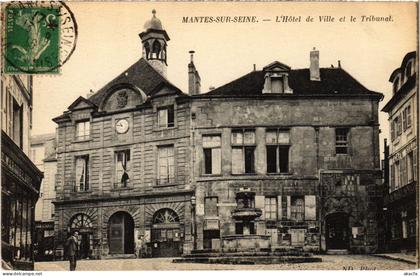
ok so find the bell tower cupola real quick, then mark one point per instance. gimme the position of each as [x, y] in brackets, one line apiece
[154, 41]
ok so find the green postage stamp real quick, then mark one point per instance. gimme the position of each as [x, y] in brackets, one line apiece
[33, 35]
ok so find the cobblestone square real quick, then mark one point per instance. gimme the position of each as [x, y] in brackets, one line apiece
[355, 262]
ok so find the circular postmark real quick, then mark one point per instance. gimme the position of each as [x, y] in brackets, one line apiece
[39, 37]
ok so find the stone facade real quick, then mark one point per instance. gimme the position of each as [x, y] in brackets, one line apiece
[143, 195]
[400, 194]
[273, 159]
[315, 172]
[20, 178]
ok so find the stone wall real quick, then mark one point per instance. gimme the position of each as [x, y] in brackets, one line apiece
[311, 123]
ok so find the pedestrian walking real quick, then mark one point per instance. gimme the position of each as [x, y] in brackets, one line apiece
[72, 248]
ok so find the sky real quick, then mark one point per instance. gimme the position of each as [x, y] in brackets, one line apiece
[108, 43]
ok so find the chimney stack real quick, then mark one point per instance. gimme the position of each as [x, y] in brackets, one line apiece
[339, 63]
[314, 68]
[194, 81]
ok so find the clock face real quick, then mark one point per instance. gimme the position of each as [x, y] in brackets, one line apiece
[121, 126]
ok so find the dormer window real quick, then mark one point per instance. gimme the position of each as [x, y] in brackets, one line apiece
[277, 85]
[396, 84]
[276, 79]
[408, 71]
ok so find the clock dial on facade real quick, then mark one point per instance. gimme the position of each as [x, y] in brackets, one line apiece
[121, 126]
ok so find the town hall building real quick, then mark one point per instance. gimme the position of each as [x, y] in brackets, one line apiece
[279, 158]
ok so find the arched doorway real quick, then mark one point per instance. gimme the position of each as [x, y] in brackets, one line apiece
[83, 224]
[337, 231]
[121, 233]
[166, 234]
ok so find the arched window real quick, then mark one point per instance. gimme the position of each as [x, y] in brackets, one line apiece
[156, 49]
[147, 50]
[165, 216]
[81, 221]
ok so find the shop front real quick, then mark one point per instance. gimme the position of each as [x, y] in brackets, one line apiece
[20, 190]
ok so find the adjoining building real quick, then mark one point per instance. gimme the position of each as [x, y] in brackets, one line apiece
[123, 160]
[400, 197]
[44, 157]
[305, 142]
[279, 158]
[20, 178]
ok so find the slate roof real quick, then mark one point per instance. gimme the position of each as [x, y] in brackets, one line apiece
[407, 57]
[140, 74]
[334, 81]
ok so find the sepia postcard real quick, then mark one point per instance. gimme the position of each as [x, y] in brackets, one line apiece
[182, 136]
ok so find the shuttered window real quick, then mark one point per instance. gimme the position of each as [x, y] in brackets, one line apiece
[243, 151]
[277, 142]
[212, 154]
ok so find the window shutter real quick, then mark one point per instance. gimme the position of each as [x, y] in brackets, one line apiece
[216, 161]
[310, 207]
[237, 161]
[260, 204]
[288, 215]
[279, 208]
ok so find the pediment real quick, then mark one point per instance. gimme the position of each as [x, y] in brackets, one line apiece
[165, 90]
[81, 103]
[277, 66]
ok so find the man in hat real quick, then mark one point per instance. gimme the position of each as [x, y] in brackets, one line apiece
[72, 247]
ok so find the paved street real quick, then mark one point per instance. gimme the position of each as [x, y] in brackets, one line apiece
[356, 262]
